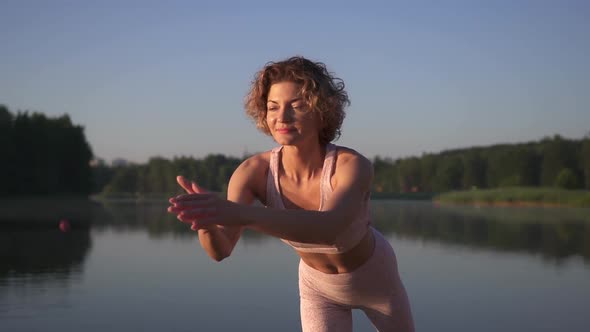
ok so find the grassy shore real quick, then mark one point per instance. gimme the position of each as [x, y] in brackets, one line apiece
[517, 196]
[512, 196]
[403, 196]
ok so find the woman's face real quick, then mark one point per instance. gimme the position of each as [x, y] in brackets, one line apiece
[288, 117]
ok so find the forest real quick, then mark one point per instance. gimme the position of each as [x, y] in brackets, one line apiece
[51, 156]
[550, 162]
[43, 156]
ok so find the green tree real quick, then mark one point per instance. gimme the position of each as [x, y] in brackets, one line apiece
[159, 176]
[474, 170]
[46, 156]
[449, 174]
[409, 174]
[585, 161]
[125, 180]
[427, 172]
[567, 179]
[557, 154]
[386, 175]
[8, 166]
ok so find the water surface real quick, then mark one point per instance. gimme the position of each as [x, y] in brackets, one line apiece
[136, 268]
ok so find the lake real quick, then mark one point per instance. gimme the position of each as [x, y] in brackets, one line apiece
[133, 267]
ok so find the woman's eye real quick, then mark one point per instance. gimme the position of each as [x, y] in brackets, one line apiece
[272, 108]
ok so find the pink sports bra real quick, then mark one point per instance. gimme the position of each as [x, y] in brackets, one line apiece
[346, 240]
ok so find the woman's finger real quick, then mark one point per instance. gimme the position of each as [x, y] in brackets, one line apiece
[175, 209]
[187, 206]
[197, 222]
[193, 197]
[197, 189]
[185, 184]
[196, 213]
[201, 202]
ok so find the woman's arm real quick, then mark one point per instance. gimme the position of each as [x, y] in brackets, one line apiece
[218, 241]
[220, 244]
[353, 177]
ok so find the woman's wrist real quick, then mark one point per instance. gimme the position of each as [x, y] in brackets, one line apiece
[239, 214]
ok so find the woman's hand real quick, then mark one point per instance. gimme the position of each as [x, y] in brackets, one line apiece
[200, 208]
[191, 188]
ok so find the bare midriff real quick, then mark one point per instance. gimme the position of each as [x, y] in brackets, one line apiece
[341, 263]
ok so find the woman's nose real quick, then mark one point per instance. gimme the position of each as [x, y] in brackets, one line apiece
[285, 115]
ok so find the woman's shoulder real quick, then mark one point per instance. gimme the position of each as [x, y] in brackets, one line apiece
[256, 164]
[351, 164]
[346, 155]
[252, 174]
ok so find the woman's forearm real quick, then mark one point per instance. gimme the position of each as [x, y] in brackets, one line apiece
[305, 226]
[215, 242]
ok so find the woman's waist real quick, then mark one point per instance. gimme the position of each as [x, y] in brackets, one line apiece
[341, 262]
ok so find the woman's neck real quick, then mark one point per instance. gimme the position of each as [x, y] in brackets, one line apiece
[302, 163]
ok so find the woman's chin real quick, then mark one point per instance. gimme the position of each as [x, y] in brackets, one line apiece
[285, 140]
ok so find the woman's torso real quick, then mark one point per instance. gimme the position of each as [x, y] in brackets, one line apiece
[307, 196]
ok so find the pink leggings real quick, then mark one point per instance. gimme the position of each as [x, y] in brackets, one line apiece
[375, 287]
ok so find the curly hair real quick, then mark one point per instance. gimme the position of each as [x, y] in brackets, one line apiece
[320, 90]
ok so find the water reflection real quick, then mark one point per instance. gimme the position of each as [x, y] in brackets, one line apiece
[40, 258]
[128, 249]
[554, 233]
[151, 217]
[37, 246]
[34, 250]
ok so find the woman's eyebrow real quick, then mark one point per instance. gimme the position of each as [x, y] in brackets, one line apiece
[290, 101]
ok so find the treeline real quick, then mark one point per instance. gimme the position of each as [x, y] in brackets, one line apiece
[50, 156]
[158, 175]
[552, 161]
[43, 156]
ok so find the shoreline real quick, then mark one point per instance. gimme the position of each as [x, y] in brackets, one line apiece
[78, 210]
[507, 204]
[518, 197]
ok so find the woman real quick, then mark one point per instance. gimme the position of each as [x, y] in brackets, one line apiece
[316, 198]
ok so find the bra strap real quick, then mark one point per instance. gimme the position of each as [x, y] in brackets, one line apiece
[327, 170]
[272, 181]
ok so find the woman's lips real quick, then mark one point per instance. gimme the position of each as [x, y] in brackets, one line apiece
[285, 130]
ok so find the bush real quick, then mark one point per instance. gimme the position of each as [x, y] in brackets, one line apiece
[567, 179]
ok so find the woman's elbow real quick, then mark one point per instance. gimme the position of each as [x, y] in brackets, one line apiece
[217, 253]
[219, 256]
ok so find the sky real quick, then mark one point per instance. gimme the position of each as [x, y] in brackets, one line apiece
[168, 78]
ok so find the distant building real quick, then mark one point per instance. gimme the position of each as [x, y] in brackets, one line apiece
[97, 162]
[119, 162]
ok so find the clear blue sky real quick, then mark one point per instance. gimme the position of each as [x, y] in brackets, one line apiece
[168, 78]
